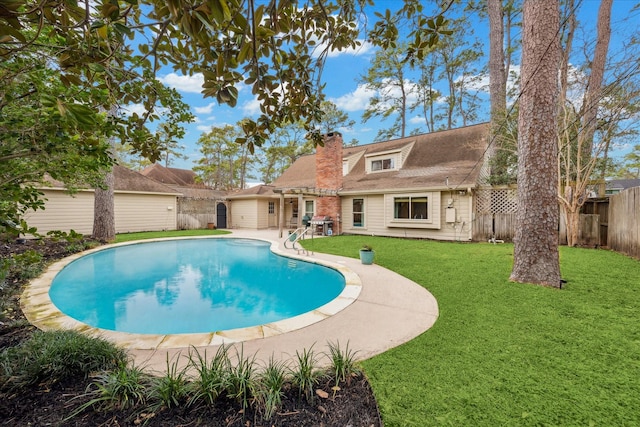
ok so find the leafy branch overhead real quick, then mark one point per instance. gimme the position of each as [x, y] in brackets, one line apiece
[277, 48]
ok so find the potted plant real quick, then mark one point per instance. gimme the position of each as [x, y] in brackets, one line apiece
[366, 254]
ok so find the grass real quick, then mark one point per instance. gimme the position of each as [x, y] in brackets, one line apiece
[509, 354]
[128, 237]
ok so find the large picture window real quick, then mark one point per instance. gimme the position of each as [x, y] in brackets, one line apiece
[358, 212]
[408, 207]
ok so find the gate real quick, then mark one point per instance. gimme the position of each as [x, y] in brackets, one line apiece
[221, 215]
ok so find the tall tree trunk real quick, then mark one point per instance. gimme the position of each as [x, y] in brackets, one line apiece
[536, 257]
[592, 94]
[497, 81]
[104, 225]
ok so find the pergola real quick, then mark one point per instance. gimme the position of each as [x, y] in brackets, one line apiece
[300, 192]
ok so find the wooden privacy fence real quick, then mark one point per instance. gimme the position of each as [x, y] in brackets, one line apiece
[495, 218]
[195, 214]
[624, 222]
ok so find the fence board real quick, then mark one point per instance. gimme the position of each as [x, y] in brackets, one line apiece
[504, 226]
[624, 222]
[589, 230]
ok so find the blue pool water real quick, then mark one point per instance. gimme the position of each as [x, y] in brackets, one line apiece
[190, 286]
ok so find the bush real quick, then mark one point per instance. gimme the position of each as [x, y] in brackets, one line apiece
[51, 357]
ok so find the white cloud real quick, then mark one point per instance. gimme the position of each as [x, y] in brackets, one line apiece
[356, 100]
[189, 84]
[251, 108]
[207, 109]
[204, 128]
[416, 120]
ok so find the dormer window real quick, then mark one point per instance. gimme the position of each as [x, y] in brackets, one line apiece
[382, 164]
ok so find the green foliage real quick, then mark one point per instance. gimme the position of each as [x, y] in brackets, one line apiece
[271, 383]
[343, 363]
[241, 384]
[304, 374]
[50, 357]
[127, 237]
[225, 163]
[120, 389]
[171, 389]
[26, 265]
[503, 353]
[211, 381]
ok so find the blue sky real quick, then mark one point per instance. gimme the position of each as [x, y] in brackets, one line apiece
[341, 77]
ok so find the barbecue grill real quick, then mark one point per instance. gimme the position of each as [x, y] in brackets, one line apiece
[321, 224]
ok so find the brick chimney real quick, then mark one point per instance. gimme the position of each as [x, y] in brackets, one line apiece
[329, 177]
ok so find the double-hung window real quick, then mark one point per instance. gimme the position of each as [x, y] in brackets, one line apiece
[358, 212]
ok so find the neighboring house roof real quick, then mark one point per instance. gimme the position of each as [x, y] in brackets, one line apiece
[183, 181]
[622, 184]
[128, 180]
[183, 177]
[264, 190]
[444, 159]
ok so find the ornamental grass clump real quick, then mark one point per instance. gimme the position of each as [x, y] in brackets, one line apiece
[171, 389]
[304, 375]
[211, 379]
[241, 384]
[343, 363]
[271, 383]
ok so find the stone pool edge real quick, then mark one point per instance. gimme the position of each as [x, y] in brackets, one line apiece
[43, 314]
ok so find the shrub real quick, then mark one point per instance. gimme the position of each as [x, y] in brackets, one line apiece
[50, 357]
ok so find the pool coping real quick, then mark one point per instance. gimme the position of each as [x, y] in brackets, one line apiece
[42, 312]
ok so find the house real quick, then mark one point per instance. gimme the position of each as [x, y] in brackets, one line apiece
[199, 206]
[419, 186]
[615, 186]
[141, 204]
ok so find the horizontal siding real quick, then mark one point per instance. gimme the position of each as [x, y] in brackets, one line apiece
[263, 214]
[244, 214]
[64, 212]
[144, 212]
[375, 221]
[133, 212]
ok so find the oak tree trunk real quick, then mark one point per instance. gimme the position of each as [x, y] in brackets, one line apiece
[536, 257]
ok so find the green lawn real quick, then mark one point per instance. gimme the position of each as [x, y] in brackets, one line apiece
[127, 237]
[507, 354]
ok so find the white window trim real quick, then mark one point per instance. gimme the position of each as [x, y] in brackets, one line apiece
[394, 156]
[433, 211]
[364, 218]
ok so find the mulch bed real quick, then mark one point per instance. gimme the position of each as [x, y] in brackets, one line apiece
[352, 405]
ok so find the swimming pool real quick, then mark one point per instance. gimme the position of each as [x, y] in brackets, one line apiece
[188, 286]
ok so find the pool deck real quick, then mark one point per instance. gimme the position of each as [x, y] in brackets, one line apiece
[388, 310]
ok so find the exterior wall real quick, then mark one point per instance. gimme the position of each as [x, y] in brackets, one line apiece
[64, 212]
[145, 212]
[262, 219]
[376, 218]
[133, 212]
[244, 214]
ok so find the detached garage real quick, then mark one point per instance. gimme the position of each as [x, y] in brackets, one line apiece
[141, 204]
